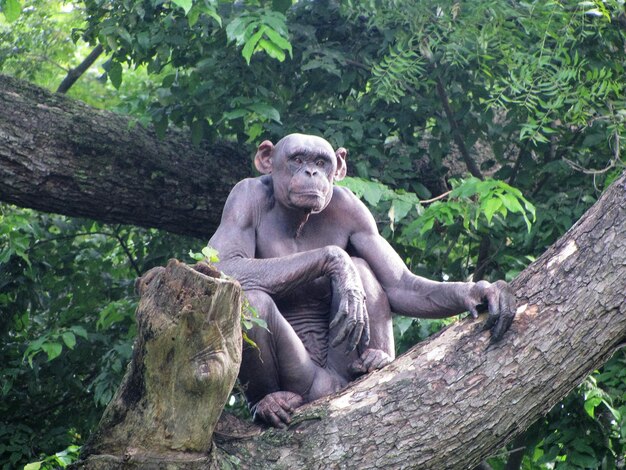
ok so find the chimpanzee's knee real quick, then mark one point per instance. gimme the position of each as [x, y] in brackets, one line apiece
[260, 304]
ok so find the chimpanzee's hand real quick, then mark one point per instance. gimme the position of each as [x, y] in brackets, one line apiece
[498, 298]
[276, 408]
[370, 360]
[352, 320]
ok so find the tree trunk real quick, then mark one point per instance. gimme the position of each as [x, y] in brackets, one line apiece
[59, 155]
[455, 399]
[185, 362]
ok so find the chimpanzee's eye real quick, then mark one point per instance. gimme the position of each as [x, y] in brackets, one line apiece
[320, 162]
[298, 160]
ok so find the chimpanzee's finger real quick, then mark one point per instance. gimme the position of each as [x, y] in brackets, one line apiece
[284, 404]
[381, 361]
[357, 323]
[368, 360]
[357, 367]
[365, 336]
[364, 340]
[342, 333]
[355, 337]
[493, 305]
[507, 314]
[283, 415]
[384, 360]
[269, 412]
[491, 321]
[340, 316]
[275, 420]
[473, 311]
[343, 321]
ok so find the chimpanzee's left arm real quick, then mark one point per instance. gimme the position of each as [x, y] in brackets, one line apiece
[416, 296]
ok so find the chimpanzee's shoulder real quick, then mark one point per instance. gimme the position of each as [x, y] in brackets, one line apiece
[353, 213]
[257, 189]
[345, 197]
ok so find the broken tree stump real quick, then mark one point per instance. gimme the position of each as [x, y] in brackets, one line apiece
[185, 362]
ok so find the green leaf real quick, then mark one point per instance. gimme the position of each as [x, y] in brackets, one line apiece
[582, 454]
[401, 208]
[279, 41]
[12, 9]
[211, 254]
[490, 207]
[5, 255]
[258, 322]
[236, 29]
[266, 110]
[467, 188]
[184, 4]
[125, 35]
[276, 21]
[235, 114]
[115, 74]
[6, 387]
[511, 202]
[33, 349]
[33, 465]
[402, 323]
[247, 339]
[79, 331]
[53, 350]
[195, 256]
[69, 339]
[251, 44]
[193, 16]
[591, 404]
[372, 193]
[272, 50]
[427, 225]
[212, 13]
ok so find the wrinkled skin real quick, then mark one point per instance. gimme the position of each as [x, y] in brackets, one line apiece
[312, 264]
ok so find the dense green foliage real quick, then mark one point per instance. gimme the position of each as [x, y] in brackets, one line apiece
[67, 304]
[526, 98]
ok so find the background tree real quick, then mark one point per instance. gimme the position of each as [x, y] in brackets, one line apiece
[422, 93]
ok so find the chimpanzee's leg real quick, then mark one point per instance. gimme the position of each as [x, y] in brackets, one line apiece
[280, 367]
[381, 329]
[379, 311]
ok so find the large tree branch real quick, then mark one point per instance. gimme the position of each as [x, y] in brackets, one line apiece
[59, 155]
[456, 398]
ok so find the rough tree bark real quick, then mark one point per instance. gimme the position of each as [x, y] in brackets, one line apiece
[455, 399]
[60, 155]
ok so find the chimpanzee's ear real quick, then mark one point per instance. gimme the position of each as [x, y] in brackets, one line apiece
[341, 154]
[263, 157]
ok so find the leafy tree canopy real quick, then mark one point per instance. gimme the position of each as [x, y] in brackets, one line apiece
[497, 124]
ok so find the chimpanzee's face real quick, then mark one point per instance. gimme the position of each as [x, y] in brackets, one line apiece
[303, 169]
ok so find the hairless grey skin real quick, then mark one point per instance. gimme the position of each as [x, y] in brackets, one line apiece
[311, 262]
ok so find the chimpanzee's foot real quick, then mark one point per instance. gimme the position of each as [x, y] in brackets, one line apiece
[371, 359]
[276, 408]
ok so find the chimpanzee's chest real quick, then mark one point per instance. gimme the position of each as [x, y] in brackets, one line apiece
[304, 303]
[274, 239]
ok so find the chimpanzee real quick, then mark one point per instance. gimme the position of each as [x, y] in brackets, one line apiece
[313, 265]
